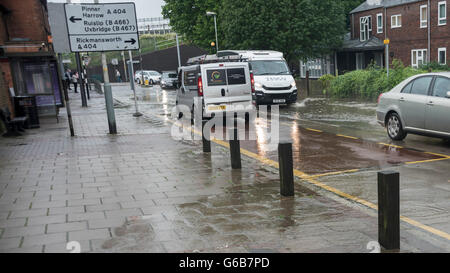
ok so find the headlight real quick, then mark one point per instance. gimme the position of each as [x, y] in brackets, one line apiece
[293, 84]
[258, 85]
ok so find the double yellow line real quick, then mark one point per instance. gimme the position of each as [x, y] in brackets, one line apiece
[311, 179]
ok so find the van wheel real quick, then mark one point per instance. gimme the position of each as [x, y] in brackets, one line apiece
[395, 128]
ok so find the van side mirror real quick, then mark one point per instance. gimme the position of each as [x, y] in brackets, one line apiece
[448, 95]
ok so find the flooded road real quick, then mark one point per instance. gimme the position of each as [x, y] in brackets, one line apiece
[327, 135]
[340, 144]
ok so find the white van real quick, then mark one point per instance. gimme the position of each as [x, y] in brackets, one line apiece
[225, 87]
[274, 82]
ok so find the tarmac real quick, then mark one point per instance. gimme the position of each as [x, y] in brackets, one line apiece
[143, 191]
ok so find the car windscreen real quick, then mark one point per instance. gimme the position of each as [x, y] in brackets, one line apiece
[269, 68]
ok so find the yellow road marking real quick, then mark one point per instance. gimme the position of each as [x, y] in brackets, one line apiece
[347, 136]
[314, 130]
[390, 145]
[334, 173]
[436, 154]
[426, 161]
[311, 180]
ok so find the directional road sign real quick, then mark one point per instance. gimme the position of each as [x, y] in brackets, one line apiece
[102, 27]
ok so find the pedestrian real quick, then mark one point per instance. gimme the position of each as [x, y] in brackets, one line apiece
[119, 79]
[75, 78]
[68, 78]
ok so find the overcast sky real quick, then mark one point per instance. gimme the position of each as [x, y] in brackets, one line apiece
[144, 8]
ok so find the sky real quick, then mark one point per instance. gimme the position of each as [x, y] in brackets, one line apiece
[144, 8]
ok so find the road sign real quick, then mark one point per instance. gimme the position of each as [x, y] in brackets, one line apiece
[102, 27]
[387, 41]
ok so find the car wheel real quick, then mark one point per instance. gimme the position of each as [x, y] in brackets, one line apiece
[395, 127]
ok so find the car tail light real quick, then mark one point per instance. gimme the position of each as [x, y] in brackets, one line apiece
[379, 97]
[200, 86]
[252, 81]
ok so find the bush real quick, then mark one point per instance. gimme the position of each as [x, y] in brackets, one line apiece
[368, 83]
[434, 67]
[326, 80]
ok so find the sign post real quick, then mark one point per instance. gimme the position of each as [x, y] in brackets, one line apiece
[131, 70]
[387, 42]
[99, 28]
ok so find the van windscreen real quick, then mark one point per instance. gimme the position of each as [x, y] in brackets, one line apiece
[269, 68]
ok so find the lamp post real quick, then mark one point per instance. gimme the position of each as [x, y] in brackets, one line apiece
[210, 13]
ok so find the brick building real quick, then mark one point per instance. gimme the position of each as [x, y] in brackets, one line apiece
[27, 62]
[418, 31]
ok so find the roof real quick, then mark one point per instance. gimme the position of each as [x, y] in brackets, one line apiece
[356, 45]
[374, 4]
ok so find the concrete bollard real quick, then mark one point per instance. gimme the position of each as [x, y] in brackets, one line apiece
[235, 150]
[206, 142]
[286, 169]
[389, 209]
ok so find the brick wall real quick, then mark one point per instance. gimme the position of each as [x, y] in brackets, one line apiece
[4, 90]
[27, 19]
[409, 36]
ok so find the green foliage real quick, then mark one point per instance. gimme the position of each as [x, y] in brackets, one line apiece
[148, 43]
[350, 5]
[188, 17]
[435, 66]
[326, 81]
[298, 28]
[369, 83]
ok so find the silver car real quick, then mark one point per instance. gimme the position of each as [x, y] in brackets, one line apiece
[419, 105]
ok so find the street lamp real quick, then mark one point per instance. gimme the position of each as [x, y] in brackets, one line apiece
[210, 13]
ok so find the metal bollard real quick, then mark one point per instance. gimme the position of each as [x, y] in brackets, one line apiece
[235, 150]
[206, 142]
[286, 168]
[389, 209]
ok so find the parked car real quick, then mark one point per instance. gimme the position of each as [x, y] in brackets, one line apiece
[418, 105]
[169, 79]
[222, 87]
[154, 77]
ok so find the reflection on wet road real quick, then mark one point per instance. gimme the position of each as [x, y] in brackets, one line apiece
[315, 151]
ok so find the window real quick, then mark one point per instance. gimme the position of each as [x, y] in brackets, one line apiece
[421, 85]
[441, 87]
[407, 88]
[216, 77]
[442, 55]
[442, 7]
[396, 21]
[365, 25]
[359, 61]
[316, 67]
[379, 23]
[190, 78]
[269, 68]
[423, 16]
[236, 76]
[418, 57]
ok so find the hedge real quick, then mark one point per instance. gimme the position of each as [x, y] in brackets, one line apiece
[371, 82]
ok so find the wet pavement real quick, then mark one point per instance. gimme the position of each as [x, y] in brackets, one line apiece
[142, 191]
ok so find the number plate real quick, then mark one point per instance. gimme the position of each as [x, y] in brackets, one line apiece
[279, 101]
[217, 108]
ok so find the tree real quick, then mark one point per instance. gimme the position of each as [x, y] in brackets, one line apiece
[188, 17]
[298, 28]
[350, 5]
